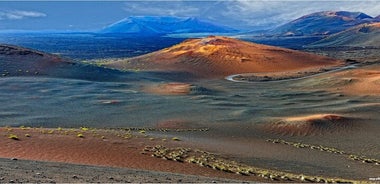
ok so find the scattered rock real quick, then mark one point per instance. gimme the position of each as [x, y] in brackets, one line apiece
[363, 159]
[206, 159]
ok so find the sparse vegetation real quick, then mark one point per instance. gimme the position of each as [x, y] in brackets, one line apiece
[360, 158]
[142, 132]
[84, 128]
[175, 139]
[13, 136]
[206, 159]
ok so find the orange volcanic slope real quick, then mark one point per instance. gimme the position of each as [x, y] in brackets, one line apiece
[217, 56]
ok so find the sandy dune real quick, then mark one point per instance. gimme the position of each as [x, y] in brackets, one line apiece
[359, 82]
[315, 124]
[172, 88]
[175, 88]
[215, 57]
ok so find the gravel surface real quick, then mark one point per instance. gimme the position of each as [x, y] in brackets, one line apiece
[25, 171]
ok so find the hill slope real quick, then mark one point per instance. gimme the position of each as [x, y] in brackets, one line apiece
[18, 61]
[151, 25]
[361, 81]
[323, 23]
[216, 56]
[365, 35]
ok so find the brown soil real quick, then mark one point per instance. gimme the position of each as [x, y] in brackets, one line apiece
[377, 24]
[115, 149]
[177, 124]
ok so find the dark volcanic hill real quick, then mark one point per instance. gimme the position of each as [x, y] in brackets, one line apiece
[18, 61]
[216, 56]
[323, 23]
[365, 35]
[153, 25]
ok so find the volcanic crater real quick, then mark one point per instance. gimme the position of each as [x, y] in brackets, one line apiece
[216, 57]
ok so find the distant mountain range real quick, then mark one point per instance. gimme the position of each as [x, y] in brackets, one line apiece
[364, 35]
[160, 25]
[323, 23]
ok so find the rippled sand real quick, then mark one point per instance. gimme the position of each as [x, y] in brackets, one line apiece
[233, 117]
[315, 124]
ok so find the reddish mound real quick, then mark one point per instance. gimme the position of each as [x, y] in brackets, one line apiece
[309, 125]
[216, 56]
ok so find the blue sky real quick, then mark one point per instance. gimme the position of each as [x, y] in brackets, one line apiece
[92, 15]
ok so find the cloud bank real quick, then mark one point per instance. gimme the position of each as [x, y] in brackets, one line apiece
[20, 14]
[163, 8]
[248, 13]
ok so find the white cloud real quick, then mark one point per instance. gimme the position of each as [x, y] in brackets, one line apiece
[20, 14]
[160, 8]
